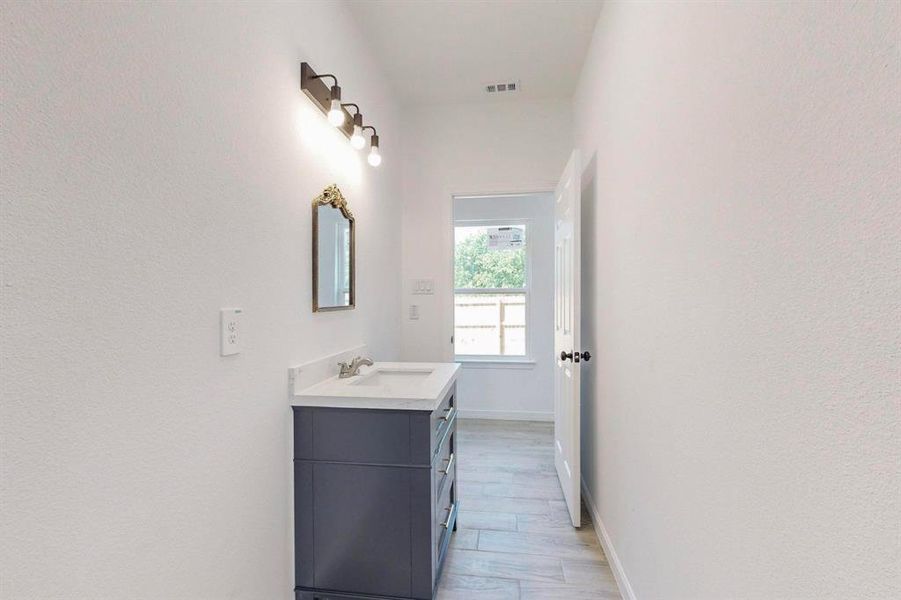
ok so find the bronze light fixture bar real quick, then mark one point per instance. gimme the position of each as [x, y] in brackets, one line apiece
[324, 96]
[321, 94]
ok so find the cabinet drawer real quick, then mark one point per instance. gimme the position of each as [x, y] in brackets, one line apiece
[445, 465]
[353, 436]
[445, 515]
[442, 417]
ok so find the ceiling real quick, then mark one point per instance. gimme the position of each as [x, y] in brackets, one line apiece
[441, 51]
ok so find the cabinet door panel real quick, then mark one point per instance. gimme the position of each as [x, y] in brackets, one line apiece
[422, 505]
[303, 524]
[362, 529]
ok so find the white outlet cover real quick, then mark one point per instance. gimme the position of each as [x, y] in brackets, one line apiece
[230, 335]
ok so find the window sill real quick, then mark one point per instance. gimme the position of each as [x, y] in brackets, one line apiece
[490, 363]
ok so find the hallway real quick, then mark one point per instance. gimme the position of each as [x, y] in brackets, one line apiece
[373, 299]
[514, 539]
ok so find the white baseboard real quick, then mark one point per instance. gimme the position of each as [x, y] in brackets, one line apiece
[506, 415]
[625, 588]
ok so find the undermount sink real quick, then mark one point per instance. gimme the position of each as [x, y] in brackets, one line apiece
[388, 385]
[390, 377]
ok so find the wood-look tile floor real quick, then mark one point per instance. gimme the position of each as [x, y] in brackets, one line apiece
[514, 539]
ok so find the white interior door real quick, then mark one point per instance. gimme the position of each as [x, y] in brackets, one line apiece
[567, 295]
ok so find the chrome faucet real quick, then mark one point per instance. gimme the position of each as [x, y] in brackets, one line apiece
[349, 370]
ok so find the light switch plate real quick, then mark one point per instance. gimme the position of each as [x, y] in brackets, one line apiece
[423, 287]
[230, 334]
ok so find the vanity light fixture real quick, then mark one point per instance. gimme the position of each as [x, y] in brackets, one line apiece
[336, 112]
[328, 99]
[356, 138]
[374, 158]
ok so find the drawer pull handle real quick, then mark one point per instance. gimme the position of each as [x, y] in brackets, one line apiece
[450, 462]
[450, 513]
[447, 418]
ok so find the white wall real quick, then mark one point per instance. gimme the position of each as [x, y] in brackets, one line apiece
[517, 391]
[485, 148]
[742, 430]
[158, 163]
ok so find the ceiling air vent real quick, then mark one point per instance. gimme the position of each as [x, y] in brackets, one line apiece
[502, 87]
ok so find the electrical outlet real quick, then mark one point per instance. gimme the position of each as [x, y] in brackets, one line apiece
[230, 334]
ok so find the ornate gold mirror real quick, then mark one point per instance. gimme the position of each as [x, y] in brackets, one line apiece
[333, 252]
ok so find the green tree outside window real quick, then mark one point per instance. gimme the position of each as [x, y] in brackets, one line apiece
[475, 266]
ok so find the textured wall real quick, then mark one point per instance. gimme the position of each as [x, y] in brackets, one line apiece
[491, 147]
[158, 163]
[742, 253]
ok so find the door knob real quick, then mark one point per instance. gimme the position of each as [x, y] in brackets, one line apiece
[586, 356]
[566, 355]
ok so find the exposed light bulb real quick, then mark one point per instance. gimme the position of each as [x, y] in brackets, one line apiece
[357, 140]
[375, 159]
[336, 113]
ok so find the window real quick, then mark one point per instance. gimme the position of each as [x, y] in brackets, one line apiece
[491, 290]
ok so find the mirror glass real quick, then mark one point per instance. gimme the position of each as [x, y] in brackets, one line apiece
[333, 260]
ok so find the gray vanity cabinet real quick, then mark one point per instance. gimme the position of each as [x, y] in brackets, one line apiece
[374, 501]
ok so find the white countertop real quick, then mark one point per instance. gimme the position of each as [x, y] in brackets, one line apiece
[406, 386]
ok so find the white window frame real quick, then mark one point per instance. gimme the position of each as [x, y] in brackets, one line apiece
[527, 288]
